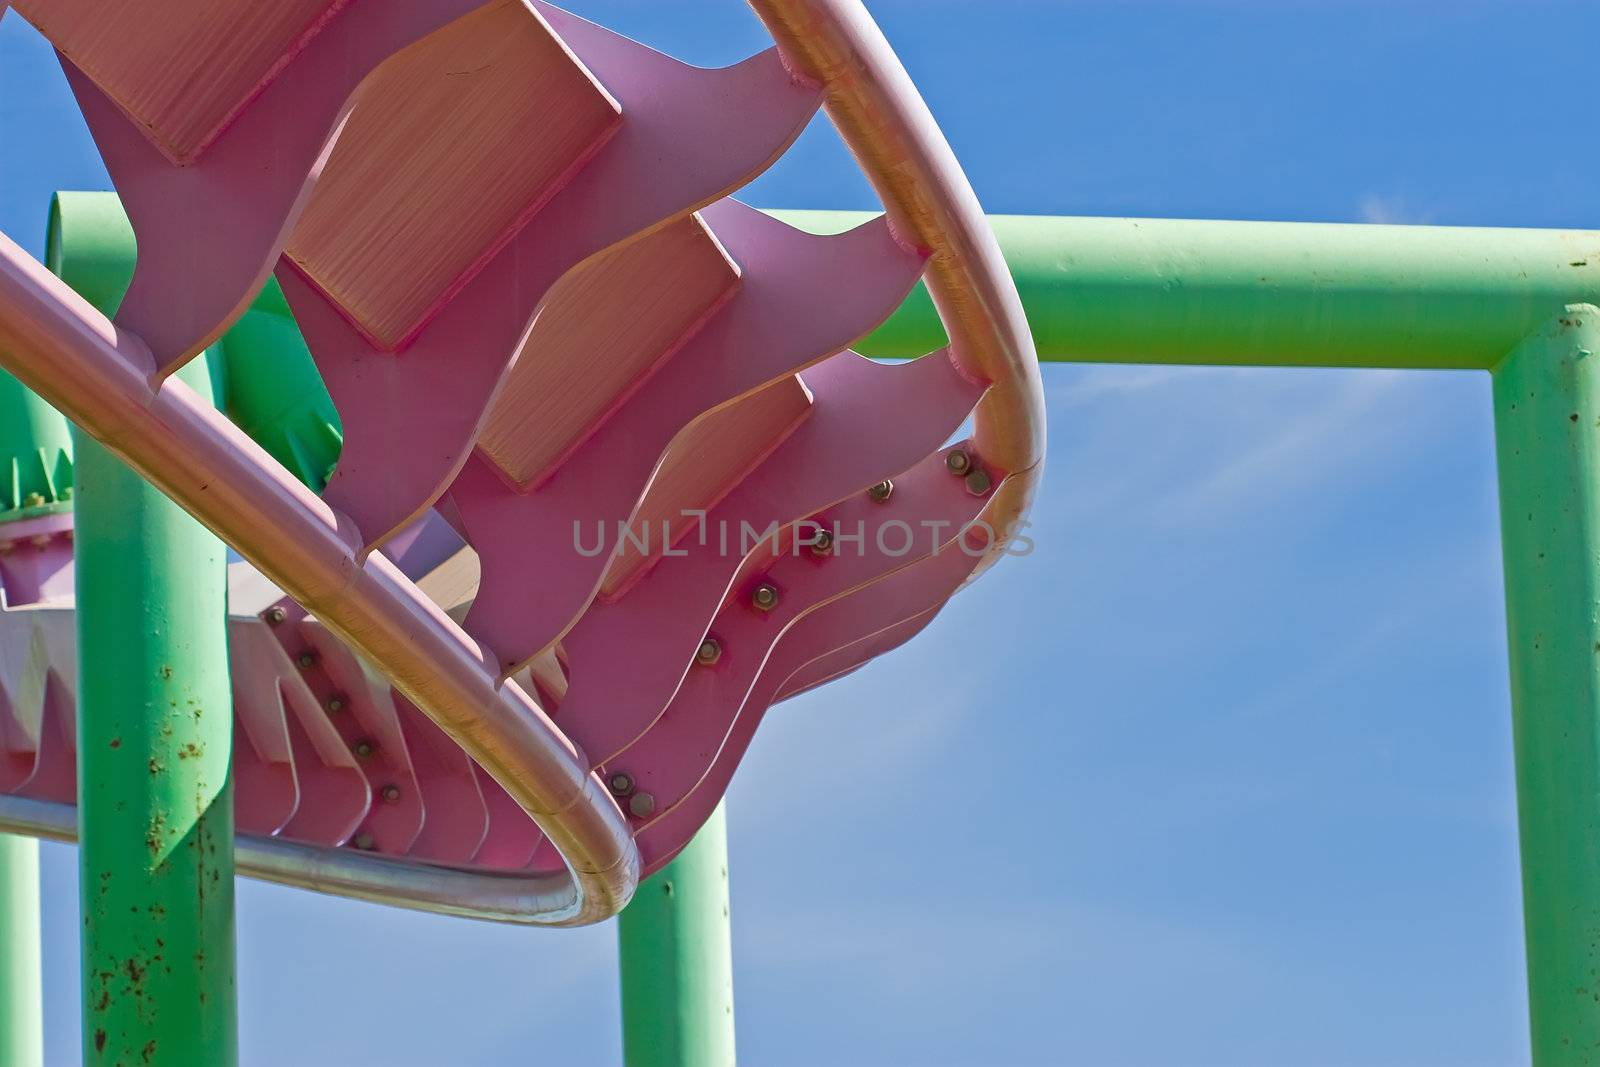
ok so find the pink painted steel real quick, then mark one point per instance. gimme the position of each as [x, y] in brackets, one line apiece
[334, 794]
[455, 818]
[688, 137]
[831, 639]
[512, 837]
[267, 786]
[57, 344]
[801, 299]
[36, 559]
[869, 421]
[924, 519]
[210, 232]
[853, 657]
[369, 726]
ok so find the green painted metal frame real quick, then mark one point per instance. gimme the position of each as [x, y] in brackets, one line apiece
[1512, 302]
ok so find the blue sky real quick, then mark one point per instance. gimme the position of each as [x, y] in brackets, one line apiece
[1250, 728]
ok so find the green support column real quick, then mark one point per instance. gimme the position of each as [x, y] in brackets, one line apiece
[677, 960]
[1547, 429]
[21, 1016]
[35, 478]
[155, 732]
[155, 789]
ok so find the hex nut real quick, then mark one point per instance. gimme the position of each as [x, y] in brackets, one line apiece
[978, 481]
[275, 615]
[882, 491]
[641, 804]
[958, 460]
[710, 651]
[765, 597]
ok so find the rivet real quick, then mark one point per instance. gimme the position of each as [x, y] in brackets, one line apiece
[276, 615]
[958, 461]
[710, 651]
[621, 783]
[335, 703]
[33, 500]
[363, 749]
[641, 804]
[882, 491]
[364, 841]
[765, 598]
[307, 659]
[978, 481]
[822, 544]
[390, 794]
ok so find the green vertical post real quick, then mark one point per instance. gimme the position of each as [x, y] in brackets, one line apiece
[21, 1014]
[155, 733]
[677, 960]
[35, 478]
[155, 788]
[1547, 431]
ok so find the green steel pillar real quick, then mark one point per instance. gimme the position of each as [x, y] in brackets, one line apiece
[155, 734]
[155, 788]
[677, 960]
[35, 478]
[21, 1019]
[1547, 428]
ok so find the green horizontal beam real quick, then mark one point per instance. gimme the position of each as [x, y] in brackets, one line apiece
[1110, 290]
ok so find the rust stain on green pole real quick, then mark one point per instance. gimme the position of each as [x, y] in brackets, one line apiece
[677, 959]
[1547, 430]
[155, 735]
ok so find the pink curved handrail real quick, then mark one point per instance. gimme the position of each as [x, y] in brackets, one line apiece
[893, 136]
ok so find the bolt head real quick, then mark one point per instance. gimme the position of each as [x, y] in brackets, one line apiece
[642, 804]
[41, 541]
[363, 749]
[390, 794]
[822, 544]
[978, 481]
[335, 703]
[276, 615]
[882, 491]
[307, 660]
[621, 783]
[958, 460]
[33, 500]
[364, 841]
[710, 651]
[765, 597]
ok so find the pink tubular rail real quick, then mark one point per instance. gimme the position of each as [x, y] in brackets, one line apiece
[107, 381]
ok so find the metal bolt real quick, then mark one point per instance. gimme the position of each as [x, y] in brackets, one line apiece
[390, 794]
[765, 598]
[364, 841]
[822, 544]
[335, 703]
[641, 804]
[363, 749]
[307, 659]
[621, 783]
[882, 491]
[276, 615]
[958, 460]
[66, 493]
[41, 540]
[710, 651]
[33, 500]
[978, 481]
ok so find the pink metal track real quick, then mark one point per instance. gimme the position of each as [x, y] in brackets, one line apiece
[612, 482]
